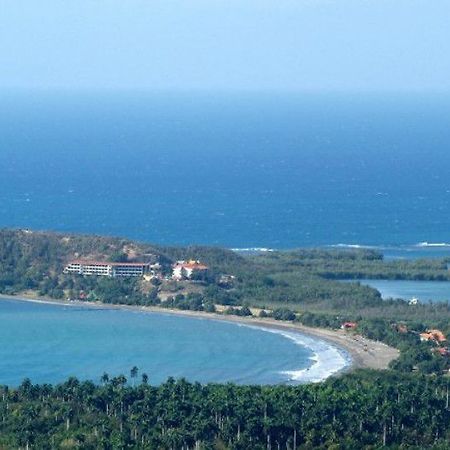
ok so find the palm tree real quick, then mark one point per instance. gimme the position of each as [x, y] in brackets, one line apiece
[104, 378]
[134, 373]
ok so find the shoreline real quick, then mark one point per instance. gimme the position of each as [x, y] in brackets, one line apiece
[363, 352]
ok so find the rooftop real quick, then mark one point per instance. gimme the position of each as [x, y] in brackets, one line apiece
[191, 265]
[107, 263]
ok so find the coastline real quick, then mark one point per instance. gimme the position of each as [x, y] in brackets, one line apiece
[364, 353]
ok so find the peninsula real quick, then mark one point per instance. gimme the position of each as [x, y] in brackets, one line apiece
[293, 289]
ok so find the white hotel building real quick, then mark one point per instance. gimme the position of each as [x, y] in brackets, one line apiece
[107, 269]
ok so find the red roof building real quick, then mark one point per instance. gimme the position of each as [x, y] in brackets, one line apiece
[433, 335]
[185, 269]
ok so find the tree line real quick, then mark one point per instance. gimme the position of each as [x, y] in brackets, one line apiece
[366, 409]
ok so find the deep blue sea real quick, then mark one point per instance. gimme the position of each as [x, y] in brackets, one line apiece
[237, 170]
[49, 343]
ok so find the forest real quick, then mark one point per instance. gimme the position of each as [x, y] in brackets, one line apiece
[365, 409]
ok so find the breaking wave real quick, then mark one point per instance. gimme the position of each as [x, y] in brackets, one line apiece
[326, 360]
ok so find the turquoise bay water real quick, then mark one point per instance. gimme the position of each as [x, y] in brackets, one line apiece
[424, 291]
[49, 343]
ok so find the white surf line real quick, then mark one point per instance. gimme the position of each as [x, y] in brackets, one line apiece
[327, 358]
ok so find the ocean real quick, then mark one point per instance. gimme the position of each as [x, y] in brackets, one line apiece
[49, 343]
[236, 170]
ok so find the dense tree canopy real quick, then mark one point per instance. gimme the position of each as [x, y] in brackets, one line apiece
[361, 410]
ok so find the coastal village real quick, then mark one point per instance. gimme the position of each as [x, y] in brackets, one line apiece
[188, 276]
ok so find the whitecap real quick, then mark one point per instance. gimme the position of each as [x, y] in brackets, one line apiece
[361, 246]
[432, 244]
[252, 249]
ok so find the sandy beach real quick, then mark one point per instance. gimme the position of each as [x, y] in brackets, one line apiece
[364, 353]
